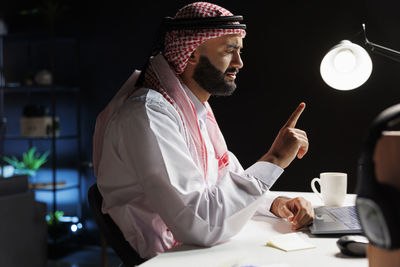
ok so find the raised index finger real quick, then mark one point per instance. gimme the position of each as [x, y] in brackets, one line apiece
[295, 116]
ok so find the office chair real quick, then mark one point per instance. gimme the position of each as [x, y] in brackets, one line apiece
[111, 232]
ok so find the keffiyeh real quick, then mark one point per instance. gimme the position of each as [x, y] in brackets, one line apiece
[180, 44]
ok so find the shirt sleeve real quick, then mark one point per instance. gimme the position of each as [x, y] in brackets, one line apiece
[151, 142]
[266, 171]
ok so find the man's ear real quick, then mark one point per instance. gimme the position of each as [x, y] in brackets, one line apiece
[194, 57]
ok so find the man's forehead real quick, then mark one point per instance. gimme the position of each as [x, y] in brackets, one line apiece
[234, 40]
[229, 40]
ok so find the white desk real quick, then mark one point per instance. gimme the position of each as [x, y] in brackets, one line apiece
[249, 245]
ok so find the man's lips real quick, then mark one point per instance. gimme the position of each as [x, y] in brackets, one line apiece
[231, 75]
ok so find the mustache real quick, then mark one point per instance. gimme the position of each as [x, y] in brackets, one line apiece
[236, 70]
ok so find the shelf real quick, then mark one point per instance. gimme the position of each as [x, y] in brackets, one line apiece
[40, 89]
[49, 187]
[67, 178]
[60, 54]
[50, 138]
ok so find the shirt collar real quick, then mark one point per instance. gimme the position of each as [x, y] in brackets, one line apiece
[201, 110]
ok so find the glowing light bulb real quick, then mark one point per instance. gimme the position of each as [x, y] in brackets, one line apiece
[346, 66]
[74, 228]
[344, 61]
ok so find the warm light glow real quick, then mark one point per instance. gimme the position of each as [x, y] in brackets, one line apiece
[346, 66]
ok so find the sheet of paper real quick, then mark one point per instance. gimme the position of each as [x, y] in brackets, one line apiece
[290, 242]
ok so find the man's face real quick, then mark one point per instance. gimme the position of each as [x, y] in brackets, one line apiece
[218, 64]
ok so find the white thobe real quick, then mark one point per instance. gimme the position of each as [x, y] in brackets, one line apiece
[154, 191]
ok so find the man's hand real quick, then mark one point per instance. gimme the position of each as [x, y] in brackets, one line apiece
[289, 143]
[297, 211]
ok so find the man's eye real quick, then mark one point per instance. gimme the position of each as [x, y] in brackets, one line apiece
[233, 51]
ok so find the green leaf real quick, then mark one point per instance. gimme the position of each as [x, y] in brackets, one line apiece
[10, 161]
[30, 160]
[54, 217]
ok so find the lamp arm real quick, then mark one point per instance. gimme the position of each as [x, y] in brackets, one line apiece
[381, 50]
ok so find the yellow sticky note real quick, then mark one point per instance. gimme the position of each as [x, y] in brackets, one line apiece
[289, 242]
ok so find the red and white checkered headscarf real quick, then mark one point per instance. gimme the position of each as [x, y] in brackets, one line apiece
[180, 44]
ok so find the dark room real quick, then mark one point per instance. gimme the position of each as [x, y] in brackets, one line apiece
[256, 125]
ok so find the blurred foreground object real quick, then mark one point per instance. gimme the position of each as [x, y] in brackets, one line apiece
[387, 166]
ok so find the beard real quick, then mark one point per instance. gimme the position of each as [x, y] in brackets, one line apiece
[212, 79]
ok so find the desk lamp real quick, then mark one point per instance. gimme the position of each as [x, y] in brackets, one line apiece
[347, 65]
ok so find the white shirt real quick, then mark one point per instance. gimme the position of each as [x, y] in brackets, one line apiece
[152, 188]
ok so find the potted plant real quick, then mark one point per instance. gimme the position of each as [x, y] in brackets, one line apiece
[54, 223]
[31, 162]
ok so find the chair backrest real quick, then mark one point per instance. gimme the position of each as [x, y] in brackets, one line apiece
[110, 230]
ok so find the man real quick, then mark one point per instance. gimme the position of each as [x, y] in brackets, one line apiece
[162, 164]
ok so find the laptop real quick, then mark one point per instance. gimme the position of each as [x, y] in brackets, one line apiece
[335, 220]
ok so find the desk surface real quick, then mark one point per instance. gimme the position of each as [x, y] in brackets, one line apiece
[248, 247]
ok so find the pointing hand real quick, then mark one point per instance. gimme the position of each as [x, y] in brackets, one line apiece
[289, 143]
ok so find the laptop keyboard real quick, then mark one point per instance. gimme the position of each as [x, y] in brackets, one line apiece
[347, 215]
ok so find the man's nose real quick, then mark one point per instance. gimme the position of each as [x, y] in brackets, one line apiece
[237, 60]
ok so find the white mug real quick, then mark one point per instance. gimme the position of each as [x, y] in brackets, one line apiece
[333, 187]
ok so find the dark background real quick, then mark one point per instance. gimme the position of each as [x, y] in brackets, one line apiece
[284, 46]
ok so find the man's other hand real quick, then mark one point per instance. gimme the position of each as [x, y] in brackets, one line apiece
[298, 211]
[289, 143]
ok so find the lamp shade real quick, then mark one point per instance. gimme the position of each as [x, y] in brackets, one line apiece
[346, 66]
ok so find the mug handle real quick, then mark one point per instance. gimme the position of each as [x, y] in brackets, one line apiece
[314, 189]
